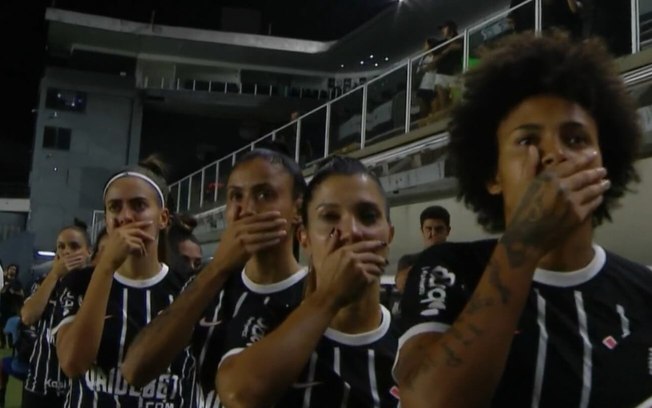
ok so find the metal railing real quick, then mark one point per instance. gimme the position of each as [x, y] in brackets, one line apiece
[236, 88]
[384, 107]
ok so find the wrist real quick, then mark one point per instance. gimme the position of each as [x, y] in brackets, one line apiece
[326, 301]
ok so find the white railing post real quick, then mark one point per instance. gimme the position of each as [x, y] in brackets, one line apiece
[467, 52]
[201, 188]
[298, 141]
[217, 180]
[538, 14]
[636, 33]
[178, 195]
[327, 130]
[363, 121]
[189, 192]
[408, 96]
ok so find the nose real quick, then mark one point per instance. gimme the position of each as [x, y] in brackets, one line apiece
[125, 216]
[245, 207]
[350, 229]
[551, 151]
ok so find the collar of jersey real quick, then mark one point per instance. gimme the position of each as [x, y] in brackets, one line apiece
[274, 287]
[143, 283]
[362, 339]
[573, 278]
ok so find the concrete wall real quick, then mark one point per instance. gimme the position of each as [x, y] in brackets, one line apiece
[68, 184]
[628, 234]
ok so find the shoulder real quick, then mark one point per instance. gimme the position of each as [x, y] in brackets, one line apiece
[627, 270]
[77, 280]
[457, 254]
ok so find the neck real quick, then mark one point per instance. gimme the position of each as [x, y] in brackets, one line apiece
[361, 316]
[140, 267]
[273, 265]
[572, 253]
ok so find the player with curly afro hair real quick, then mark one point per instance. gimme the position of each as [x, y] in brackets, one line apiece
[544, 144]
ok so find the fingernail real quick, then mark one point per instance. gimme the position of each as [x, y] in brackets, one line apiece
[332, 232]
[606, 183]
[383, 243]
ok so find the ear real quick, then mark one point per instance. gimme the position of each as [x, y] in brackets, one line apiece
[495, 186]
[302, 237]
[391, 234]
[164, 219]
[296, 215]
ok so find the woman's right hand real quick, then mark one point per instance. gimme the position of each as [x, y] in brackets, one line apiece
[247, 235]
[128, 239]
[348, 269]
[558, 200]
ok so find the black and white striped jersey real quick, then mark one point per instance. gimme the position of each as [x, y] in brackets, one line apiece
[345, 370]
[584, 338]
[239, 300]
[132, 305]
[45, 375]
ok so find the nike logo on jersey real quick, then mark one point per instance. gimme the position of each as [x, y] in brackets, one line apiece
[300, 386]
[205, 323]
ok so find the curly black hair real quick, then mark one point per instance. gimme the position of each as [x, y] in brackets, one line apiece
[522, 66]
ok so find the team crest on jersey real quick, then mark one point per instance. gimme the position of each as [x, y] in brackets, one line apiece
[432, 288]
[67, 300]
[254, 330]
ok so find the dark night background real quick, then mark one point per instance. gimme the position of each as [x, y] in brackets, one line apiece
[24, 32]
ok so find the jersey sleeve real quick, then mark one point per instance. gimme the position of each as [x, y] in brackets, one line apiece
[437, 289]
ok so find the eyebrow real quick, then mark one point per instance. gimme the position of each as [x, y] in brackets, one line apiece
[117, 200]
[533, 126]
[253, 187]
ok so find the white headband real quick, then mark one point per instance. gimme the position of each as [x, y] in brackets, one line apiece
[140, 176]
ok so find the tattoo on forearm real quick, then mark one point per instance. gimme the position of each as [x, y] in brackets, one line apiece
[478, 303]
[452, 359]
[497, 282]
[475, 329]
[424, 363]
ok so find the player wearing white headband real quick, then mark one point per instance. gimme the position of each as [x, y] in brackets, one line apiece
[102, 310]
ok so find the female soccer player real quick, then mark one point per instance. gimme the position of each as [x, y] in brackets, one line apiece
[46, 385]
[264, 195]
[336, 349]
[102, 310]
[544, 142]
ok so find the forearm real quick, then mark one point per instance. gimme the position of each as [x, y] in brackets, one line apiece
[467, 361]
[35, 305]
[170, 332]
[78, 346]
[243, 381]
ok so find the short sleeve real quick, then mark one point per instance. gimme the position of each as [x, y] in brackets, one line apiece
[438, 287]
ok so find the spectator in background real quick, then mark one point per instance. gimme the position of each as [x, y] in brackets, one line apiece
[427, 75]
[11, 298]
[448, 62]
[563, 14]
[435, 225]
[185, 251]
